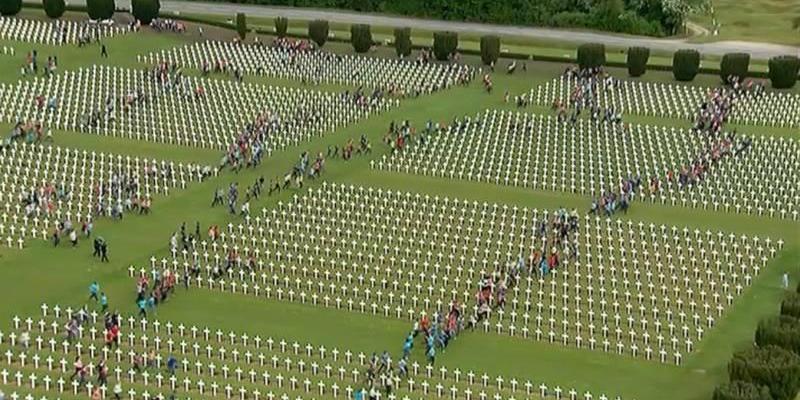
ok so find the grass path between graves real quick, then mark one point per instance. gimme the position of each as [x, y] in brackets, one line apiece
[41, 273]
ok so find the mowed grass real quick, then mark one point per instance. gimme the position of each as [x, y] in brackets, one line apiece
[41, 273]
[753, 20]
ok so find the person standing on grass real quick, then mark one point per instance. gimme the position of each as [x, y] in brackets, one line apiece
[117, 391]
[103, 302]
[103, 51]
[172, 364]
[94, 290]
[142, 304]
[73, 237]
[104, 251]
[78, 368]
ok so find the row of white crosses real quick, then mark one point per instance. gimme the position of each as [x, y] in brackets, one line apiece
[675, 101]
[513, 148]
[218, 363]
[647, 291]
[536, 151]
[55, 32]
[66, 185]
[316, 66]
[172, 113]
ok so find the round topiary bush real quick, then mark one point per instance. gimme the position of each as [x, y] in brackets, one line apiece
[444, 44]
[685, 64]
[281, 26]
[54, 8]
[637, 61]
[771, 366]
[145, 10]
[10, 7]
[741, 390]
[402, 41]
[490, 49]
[783, 72]
[591, 55]
[361, 37]
[734, 65]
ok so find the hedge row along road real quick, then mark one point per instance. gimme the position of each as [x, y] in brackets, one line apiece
[756, 50]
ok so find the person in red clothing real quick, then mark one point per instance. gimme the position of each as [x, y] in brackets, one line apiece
[424, 324]
[109, 338]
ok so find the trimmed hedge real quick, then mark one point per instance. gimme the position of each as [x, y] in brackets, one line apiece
[100, 9]
[637, 61]
[734, 64]
[241, 25]
[361, 37]
[145, 10]
[591, 55]
[791, 306]
[771, 366]
[444, 44]
[402, 41]
[54, 8]
[281, 26]
[318, 31]
[741, 390]
[685, 64]
[783, 72]
[490, 48]
[782, 331]
[10, 7]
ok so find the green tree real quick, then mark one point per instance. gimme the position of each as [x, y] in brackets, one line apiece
[637, 60]
[145, 10]
[10, 7]
[281, 26]
[782, 331]
[685, 64]
[591, 55]
[444, 44]
[783, 72]
[791, 305]
[740, 390]
[361, 38]
[54, 8]
[318, 31]
[490, 49]
[100, 9]
[734, 64]
[241, 25]
[771, 366]
[402, 41]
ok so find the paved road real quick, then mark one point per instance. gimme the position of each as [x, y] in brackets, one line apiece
[756, 50]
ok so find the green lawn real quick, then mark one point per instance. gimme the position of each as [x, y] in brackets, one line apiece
[41, 273]
[752, 20]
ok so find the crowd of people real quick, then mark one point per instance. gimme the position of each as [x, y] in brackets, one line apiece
[154, 290]
[167, 25]
[611, 202]
[589, 81]
[715, 111]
